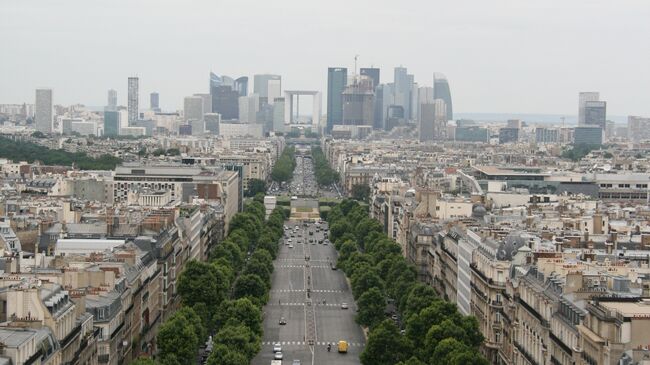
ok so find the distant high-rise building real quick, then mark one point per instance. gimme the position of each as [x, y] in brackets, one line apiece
[440, 126]
[508, 135]
[154, 101]
[111, 123]
[595, 113]
[212, 122]
[112, 100]
[588, 135]
[471, 134]
[441, 91]
[638, 128]
[337, 78]
[514, 123]
[427, 119]
[133, 99]
[248, 108]
[278, 114]
[583, 98]
[358, 103]
[241, 86]
[402, 90]
[207, 102]
[379, 107]
[274, 90]
[372, 73]
[546, 135]
[192, 108]
[198, 126]
[261, 85]
[44, 110]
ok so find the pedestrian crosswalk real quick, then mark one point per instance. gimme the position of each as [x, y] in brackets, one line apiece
[304, 343]
[302, 290]
[302, 266]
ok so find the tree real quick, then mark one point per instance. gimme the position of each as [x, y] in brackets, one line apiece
[385, 345]
[412, 361]
[143, 361]
[454, 352]
[38, 134]
[360, 192]
[251, 286]
[255, 186]
[202, 283]
[419, 324]
[420, 297]
[260, 269]
[371, 307]
[177, 337]
[230, 252]
[224, 355]
[243, 311]
[264, 256]
[239, 338]
[194, 320]
[364, 281]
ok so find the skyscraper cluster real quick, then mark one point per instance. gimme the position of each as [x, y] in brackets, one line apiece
[362, 100]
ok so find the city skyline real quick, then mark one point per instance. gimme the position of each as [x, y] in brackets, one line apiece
[495, 65]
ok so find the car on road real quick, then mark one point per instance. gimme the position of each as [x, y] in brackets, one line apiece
[343, 346]
[344, 305]
[282, 321]
[291, 246]
[296, 362]
[277, 356]
[277, 347]
[334, 267]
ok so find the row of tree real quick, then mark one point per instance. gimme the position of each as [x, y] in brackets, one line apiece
[382, 282]
[284, 166]
[325, 175]
[224, 296]
[30, 152]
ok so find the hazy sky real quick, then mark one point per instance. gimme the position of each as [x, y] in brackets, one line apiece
[519, 56]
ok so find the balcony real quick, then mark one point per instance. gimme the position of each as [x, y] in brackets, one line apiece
[485, 279]
[525, 353]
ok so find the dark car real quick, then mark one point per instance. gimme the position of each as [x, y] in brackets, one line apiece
[282, 321]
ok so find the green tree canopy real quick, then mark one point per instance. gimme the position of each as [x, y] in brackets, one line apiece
[386, 346]
[371, 307]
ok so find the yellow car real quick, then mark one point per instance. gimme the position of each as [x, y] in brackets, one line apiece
[343, 346]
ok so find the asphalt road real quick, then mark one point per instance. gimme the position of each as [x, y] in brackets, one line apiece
[324, 321]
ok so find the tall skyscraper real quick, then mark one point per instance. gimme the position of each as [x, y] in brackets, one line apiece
[274, 90]
[224, 97]
[583, 98]
[595, 113]
[154, 101]
[427, 120]
[133, 102]
[207, 102]
[43, 110]
[241, 86]
[337, 79]
[248, 108]
[358, 103]
[261, 84]
[112, 100]
[441, 91]
[212, 122]
[402, 88]
[192, 108]
[111, 123]
[372, 73]
[278, 114]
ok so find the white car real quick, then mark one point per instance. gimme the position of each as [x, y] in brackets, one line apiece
[344, 305]
[277, 347]
[277, 356]
[291, 246]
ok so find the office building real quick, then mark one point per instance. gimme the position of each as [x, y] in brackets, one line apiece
[441, 91]
[546, 135]
[588, 136]
[358, 103]
[379, 107]
[514, 123]
[154, 101]
[111, 123]
[207, 102]
[133, 99]
[192, 108]
[595, 113]
[372, 73]
[638, 128]
[402, 91]
[262, 85]
[472, 134]
[44, 111]
[508, 135]
[212, 121]
[224, 96]
[440, 125]
[198, 126]
[112, 100]
[583, 98]
[241, 86]
[248, 108]
[274, 90]
[337, 78]
[278, 114]
[427, 119]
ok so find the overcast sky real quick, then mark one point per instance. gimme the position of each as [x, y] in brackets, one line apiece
[518, 56]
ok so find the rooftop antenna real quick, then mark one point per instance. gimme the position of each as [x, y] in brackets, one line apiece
[356, 57]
